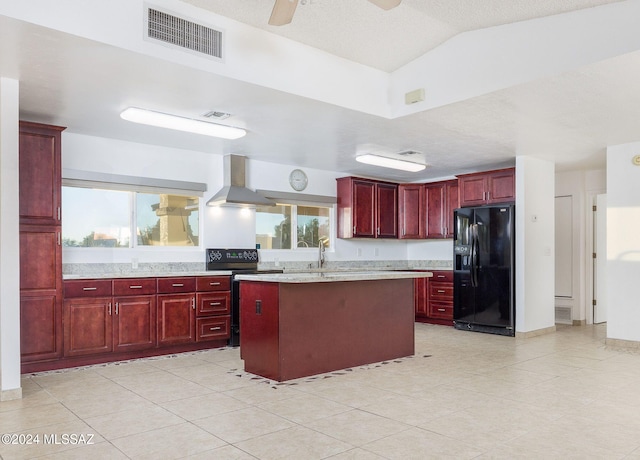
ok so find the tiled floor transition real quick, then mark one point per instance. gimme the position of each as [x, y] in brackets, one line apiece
[463, 395]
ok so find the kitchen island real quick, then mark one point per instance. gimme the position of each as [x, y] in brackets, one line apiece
[301, 324]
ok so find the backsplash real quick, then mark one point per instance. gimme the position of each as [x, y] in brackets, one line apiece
[155, 269]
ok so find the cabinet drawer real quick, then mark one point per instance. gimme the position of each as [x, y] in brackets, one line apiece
[440, 310]
[440, 291]
[134, 286]
[214, 328]
[213, 304]
[87, 288]
[213, 283]
[442, 276]
[171, 285]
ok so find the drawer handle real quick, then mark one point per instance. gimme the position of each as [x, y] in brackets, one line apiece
[217, 283]
[89, 288]
[441, 291]
[440, 276]
[135, 287]
[213, 304]
[441, 309]
[215, 328]
[177, 285]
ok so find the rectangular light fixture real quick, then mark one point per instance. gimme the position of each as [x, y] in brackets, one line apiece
[386, 162]
[190, 125]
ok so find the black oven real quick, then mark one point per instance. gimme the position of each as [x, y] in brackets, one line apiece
[238, 261]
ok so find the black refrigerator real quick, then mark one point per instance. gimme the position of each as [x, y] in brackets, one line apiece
[483, 277]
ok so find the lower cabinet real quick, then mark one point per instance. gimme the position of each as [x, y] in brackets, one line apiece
[125, 317]
[95, 324]
[434, 298]
[176, 318]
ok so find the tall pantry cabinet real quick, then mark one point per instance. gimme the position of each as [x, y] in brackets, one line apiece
[40, 241]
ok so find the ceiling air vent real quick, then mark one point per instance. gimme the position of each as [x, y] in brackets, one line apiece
[185, 34]
[408, 153]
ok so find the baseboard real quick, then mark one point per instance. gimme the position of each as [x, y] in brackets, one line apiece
[579, 322]
[8, 395]
[537, 332]
[623, 345]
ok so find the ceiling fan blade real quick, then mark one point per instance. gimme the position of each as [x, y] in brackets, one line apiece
[386, 4]
[282, 12]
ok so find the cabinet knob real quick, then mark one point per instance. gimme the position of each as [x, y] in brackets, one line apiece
[109, 308]
[193, 303]
[117, 307]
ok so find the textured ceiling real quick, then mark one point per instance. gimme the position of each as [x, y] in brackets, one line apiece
[568, 118]
[361, 32]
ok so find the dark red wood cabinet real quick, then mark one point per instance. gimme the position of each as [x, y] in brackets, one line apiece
[411, 211]
[367, 208]
[40, 242]
[489, 187]
[104, 316]
[176, 310]
[434, 298]
[441, 200]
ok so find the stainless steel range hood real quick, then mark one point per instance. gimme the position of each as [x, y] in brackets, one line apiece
[234, 191]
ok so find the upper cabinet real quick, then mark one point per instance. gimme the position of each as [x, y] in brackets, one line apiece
[367, 208]
[411, 211]
[40, 173]
[441, 199]
[490, 187]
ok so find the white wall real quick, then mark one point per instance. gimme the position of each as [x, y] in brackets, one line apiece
[221, 226]
[9, 242]
[535, 228]
[623, 242]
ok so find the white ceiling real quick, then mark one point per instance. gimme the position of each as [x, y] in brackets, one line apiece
[361, 32]
[568, 118]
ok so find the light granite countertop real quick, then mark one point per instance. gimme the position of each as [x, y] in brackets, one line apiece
[94, 276]
[323, 276]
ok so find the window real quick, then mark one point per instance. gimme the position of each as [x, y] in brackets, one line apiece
[275, 226]
[93, 217]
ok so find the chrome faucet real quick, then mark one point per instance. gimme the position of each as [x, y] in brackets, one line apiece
[320, 254]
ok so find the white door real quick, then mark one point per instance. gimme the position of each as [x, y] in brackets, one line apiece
[600, 261]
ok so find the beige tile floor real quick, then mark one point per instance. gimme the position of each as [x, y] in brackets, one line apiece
[462, 395]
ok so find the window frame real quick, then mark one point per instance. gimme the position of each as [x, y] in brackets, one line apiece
[132, 190]
[294, 225]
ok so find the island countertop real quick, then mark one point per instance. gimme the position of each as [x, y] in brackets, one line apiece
[332, 276]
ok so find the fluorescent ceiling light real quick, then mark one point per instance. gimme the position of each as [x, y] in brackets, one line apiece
[190, 125]
[386, 162]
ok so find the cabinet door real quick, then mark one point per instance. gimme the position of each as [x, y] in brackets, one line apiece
[40, 292]
[364, 224]
[421, 299]
[175, 317]
[40, 173]
[411, 211]
[501, 186]
[473, 190]
[435, 206]
[40, 327]
[134, 323]
[452, 202]
[87, 329]
[387, 211]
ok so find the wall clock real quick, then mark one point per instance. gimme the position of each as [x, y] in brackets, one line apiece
[298, 180]
[636, 160]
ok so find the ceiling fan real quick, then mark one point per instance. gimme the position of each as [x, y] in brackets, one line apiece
[283, 10]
